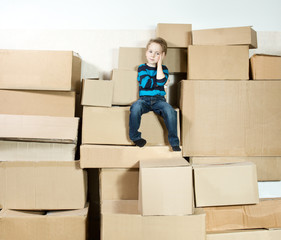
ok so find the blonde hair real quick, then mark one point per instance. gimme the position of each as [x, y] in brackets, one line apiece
[160, 41]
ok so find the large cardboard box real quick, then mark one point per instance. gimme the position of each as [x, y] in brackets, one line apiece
[42, 185]
[176, 35]
[268, 168]
[111, 126]
[46, 103]
[36, 151]
[231, 118]
[126, 87]
[32, 225]
[97, 93]
[38, 128]
[265, 214]
[130, 58]
[119, 184]
[225, 184]
[226, 36]
[265, 67]
[218, 63]
[40, 70]
[104, 156]
[165, 187]
[121, 220]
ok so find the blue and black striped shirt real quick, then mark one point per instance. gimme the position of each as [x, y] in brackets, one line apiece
[148, 84]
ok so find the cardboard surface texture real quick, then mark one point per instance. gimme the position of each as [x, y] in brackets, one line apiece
[39, 128]
[120, 220]
[165, 187]
[42, 185]
[225, 184]
[97, 93]
[45, 103]
[218, 63]
[244, 118]
[226, 36]
[40, 70]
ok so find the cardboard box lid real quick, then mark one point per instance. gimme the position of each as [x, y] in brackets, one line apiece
[158, 163]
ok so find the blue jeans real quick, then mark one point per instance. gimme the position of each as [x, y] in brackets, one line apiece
[158, 105]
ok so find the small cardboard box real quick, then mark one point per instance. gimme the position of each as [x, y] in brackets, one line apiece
[218, 63]
[226, 36]
[40, 70]
[45, 103]
[176, 35]
[121, 220]
[105, 156]
[165, 187]
[265, 67]
[111, 126]
[225, 184]
[42, 185]
[97, 93]
[38, 128]
[34, 225]
[126, 87]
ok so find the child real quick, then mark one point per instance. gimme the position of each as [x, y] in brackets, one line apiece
[152, 77]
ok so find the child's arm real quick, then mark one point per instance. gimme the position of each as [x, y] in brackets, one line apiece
[161, 76]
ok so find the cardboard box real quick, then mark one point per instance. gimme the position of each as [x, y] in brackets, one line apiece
[268, 168]
[225, 184]
[111, 126]
[126, 87]
[40, 70]
[263, 234]
[218, 63]
[176, 35]
[42, 185]
[165, 187]
[36, 151]
[265, 214]
[120, 220]
[38, 128]
[119, 184]
[97, 93]
[226, 36]
[265, 67]
[231, 118]
[130, 58]
[32, 225]
[45, 103]
[103, 156]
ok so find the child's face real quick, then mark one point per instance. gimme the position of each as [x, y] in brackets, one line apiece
[153, 53]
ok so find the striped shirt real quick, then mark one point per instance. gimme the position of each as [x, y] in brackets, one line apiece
[148, 84]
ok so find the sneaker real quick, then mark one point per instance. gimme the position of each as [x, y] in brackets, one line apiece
[176, 148]
[140, 142]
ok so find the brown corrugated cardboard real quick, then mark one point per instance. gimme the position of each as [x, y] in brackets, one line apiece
[176, 35]
[40, 70]
[97, 93]
[231, 118]
[120, 220]
[225, 184]
[30, 225]
[130, 58]
[225, 36]
[265, 214]
[268, 168]
[43, 185]
[119, 184]
[45, 103]
[165, 187]
[111, 126]
[103, 156]
[36, 151]
[265, 67]
[38, 128]
[126, 88]
[218, 63]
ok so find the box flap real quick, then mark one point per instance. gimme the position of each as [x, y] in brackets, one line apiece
[173, 162]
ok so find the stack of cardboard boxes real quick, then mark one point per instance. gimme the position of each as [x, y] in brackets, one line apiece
[38, 171]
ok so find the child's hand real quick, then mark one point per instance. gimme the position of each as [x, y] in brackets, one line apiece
[161, 57]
